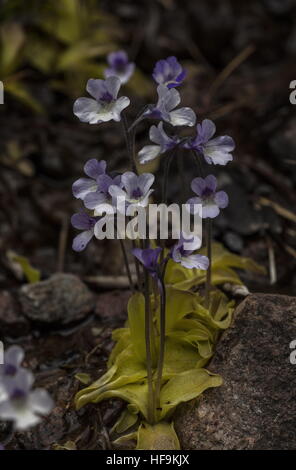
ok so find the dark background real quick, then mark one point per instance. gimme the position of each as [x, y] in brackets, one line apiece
[240, 60]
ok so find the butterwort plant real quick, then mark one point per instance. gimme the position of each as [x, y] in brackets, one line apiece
[160, 355]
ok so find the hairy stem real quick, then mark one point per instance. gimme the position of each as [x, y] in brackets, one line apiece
[162, 342]
[166, 176]
[129, 143]
[148, 332]
[128, 272]
[209, 255]
[137, 266]
[198, 162]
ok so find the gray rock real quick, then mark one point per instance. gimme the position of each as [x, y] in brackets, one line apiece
[61, 299]
[255, 408]
[12, 322]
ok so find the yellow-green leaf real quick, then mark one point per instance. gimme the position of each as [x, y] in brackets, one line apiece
[83, 378]
[186, 386]
[125, 421]
[31, 274]
[160, 436]
[136, 320]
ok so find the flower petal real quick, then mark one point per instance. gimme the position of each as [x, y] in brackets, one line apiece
[83, 186]
[21, 414]
[198, 185]
[148, 153]
[80, 241]
[117, 57]
[130, 181]
[167, 99]
[217, 156]
[82, 221]
[183, 117]
[92, 200]
[158, 135]
[123, 75]
[206, 130]
[94, 168]
[145, 181]
[217, 151]
[113, 85]
[221, 199]
[211, 182]
[96, 88]
[14, 356]
[194, 205]
[195, 261]
[40, 401]
[87, 110]
[119, 105]
[210, 210]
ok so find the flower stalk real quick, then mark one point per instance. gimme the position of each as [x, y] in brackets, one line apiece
[209, 255]
[161, 338]
[148, 337]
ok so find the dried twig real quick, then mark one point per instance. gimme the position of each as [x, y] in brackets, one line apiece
[271, 259]
[229, 69]
[63, 243]
[280, 210]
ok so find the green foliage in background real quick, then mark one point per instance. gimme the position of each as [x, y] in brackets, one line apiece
[65, 41]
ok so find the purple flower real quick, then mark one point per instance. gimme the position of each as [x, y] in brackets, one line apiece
[83, 221]
[13, 358]
[119, 66]
[94, 199]
[135, 189]
[169, 72]
[182, 252]
[210, 200]
[216, 151]
[93, 169]
[168, 99]
[21, 404]
[163, 144]
[149, 259]
[105, 106]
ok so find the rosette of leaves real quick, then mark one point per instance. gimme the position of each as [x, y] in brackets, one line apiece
[191, 334]
[190, 337]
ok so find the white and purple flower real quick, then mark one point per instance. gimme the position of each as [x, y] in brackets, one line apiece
[82, 221]
[162, 141]
[217, 150]
[22, 405]
[168, 100]
[211, 200]
[83, 186]
[135, 190]
[13, 359]
[149, 257]
[102, 196]
[183, 253]
[104, 106]
[119, 66]
[169, 72]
